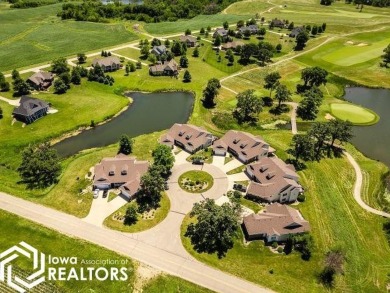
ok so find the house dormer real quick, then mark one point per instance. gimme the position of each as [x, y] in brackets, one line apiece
[236, 141]
[181, 133]
[263, 168]
[243, 145]
[188, 137]
[270, 175]
[124, 170]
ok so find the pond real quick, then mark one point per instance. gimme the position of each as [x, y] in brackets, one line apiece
[373, 141]
[148, 113]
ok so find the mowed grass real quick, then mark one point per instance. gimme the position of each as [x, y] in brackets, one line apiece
[368, 72]
[36, 35]
[335, 219]
[196, 178]
[359, 53]
[55, 244]
[194, 24]
[142, 224]
[354, 114]
[165, 283]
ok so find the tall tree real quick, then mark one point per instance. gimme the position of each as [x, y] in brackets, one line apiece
[302, 147]
[187, 76]
[261, 32]
[211, 92]
[271, 81]
[60, 65]
[217, 41]
[386, 56]
[225, 25]
[183, 61]
[4, 85]
[340, 130]
[307, 109]
[125, 145]
[81, 57]
[215, 227]
[163, 157]
[264, 55]
[131, 216]
[301, 40]
[196, 52]
[321, 134]
[152, 185]
[187, 32]
[282, 94]
[314, 76]
[177, 48]
[248, 107]
[40, 166]
[1, 113]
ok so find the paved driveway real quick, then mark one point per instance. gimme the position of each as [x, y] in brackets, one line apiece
[101, 208]
[233, 164]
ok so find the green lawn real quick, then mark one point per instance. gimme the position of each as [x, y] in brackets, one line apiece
[58, 245]
[164, 283]
[36, 35]
[207, 155]
[355, 114]
[143, 223]
[335, 218]
[196, 181]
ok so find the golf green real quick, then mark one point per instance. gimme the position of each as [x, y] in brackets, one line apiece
[355, 114]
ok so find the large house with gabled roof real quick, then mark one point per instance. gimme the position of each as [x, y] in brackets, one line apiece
[273, 180]
[30, 109]
[276, 223]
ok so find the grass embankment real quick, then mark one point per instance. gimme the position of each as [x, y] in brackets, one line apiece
[206, 155]
[57, 245]
[144, 222]
[164, 283]
[355, 114]
[37, 35]
[196, 181]
[335, 219]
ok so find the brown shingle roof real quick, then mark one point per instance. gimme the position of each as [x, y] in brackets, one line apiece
[243, 143]
[272, 176]
[121, 170]
[166, 66]
[277, 219]
[232, 45]
[39, 77]
[107, 61]
[191, 136]
[188, 38]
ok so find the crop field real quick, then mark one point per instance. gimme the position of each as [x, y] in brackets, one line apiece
[36, 35]
[353, 113]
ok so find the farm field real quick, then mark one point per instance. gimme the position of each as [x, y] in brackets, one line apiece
[31, 36]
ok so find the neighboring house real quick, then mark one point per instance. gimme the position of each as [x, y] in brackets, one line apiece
[253, 28]
[110, 63]
[273, 180]
[245, 146]
[30, 109]
[121, 172]
[223, 33]
[232, 45]
[159, 50]
[296, 31]
[169, 68]
[189, 40]
[189, 137]
[276, 223]
[41, 80]
[278, 23]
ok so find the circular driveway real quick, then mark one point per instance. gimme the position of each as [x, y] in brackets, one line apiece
[182, 201]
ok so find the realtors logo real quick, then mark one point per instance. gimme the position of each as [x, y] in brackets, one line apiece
[16, 282]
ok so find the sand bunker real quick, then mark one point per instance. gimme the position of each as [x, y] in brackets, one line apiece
[361, 44]
[329, 117]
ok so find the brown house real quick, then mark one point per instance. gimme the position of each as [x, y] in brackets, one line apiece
[110, 63]
[273, 180]
[276, 223]
[189, 40]
[278, 23]
[189, 137]
[30, 109]
[245, 146]
[232, 45]
[168, 68]
[121, 172]
[41, 80]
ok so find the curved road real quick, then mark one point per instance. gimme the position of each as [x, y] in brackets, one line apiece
[128, 244]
